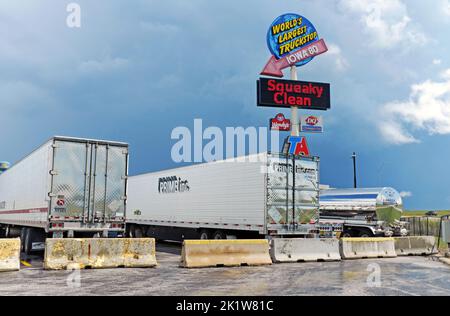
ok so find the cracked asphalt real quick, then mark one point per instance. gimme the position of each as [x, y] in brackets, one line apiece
[397, 276]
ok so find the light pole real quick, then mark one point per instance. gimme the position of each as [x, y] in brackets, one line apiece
[355, 184]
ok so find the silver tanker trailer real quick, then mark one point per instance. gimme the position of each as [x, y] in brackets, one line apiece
[363, 212]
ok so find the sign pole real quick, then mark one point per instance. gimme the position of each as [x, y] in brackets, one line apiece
[294, 110]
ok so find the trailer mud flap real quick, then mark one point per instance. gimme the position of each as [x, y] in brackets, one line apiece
[304, 250]
[362, 248]
[416, 246]
[224, 253]
[61, 254]
[9, 255]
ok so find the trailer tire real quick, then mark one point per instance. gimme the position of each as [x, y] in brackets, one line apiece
[27, 241]
[22, 238]
[136, 232]
[204, 235]
[2, 232]
[31, 235]
[347, 234]
[365, 233]
[218, 235]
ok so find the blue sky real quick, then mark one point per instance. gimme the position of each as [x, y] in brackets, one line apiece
[137, 69]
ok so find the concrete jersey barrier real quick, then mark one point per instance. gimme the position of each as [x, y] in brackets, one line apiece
[9, 255]
[99, 253]
[227, 253]
[416, 246]
[362, 248]
[304, 250]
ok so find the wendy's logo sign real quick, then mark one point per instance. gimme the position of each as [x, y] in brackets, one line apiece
[280, 123]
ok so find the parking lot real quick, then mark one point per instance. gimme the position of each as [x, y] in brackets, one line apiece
[398, 276]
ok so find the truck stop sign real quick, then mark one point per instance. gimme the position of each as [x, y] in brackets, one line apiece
[291, 32]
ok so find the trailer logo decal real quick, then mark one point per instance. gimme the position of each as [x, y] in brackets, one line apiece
[172, 185]
[60, 203]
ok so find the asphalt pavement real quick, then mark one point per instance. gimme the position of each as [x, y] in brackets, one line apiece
[396, 276]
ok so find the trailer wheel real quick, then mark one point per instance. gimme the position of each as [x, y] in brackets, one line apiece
[22, 238]
[32, 235]
[219, 235]
[347, 234]
[2, 232]
[27, 241]
[204, 234]
[7, 232]
[136, 232]
[365, 233]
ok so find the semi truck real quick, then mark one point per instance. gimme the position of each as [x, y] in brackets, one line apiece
[363, 212]
[261, 195]
[68, 187]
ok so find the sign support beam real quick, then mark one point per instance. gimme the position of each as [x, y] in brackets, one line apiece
[294, 110]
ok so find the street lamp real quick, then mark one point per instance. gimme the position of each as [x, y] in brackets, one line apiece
[355, 184]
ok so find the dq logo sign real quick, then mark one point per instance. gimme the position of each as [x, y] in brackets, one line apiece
[297, 145]
[312, 120]
[311, 124]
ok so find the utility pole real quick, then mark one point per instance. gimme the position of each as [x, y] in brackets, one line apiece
[355, 184]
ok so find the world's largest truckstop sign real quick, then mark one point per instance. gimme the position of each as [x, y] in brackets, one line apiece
[293, 41]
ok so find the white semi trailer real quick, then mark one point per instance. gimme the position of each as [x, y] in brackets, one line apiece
[68, 187]
[255, 196]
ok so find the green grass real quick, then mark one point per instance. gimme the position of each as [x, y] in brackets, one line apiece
[422, 213]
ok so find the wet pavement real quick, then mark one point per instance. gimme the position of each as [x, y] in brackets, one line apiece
[397, 276]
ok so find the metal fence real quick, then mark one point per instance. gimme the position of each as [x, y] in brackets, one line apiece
[430, 226]
[446, 229]
[423, 225]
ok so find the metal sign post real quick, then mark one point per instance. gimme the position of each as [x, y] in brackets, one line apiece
[293, 42]
[294, 110]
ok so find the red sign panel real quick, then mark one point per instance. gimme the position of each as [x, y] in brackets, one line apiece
[280, 123]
